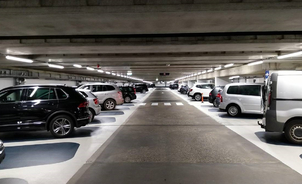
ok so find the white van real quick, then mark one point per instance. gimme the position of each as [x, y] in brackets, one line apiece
[237, 98]
[283, 105]
[200, 89]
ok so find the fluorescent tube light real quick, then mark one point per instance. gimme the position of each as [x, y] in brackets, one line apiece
[229, 65]
[290, 55]
[118, 75]
[234, 77]
[55, 66]
[113, 74]
[204, 72]
[108, 73]
[101, 71]
[198, 73]
[218, 68]
[211, 70]
[19, 59]
[89, 68]
[255, 63]
[77, 66]
[129, 73]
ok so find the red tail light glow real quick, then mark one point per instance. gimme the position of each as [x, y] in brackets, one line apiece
[84, 104]
[134, 91]
[210, 94]
[191, 90]
[96, 101]
[120, 94]
[221, 100]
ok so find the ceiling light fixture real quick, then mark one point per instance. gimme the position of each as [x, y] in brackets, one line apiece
[255, 63]
[89, 68]
[211, 70]
[229, 65]
[101, 71]
[55, 66]
[290, 55]
[19, 59]
[198, 73]
[108, 73]
[204, 72]
[77, 66]
[234, 77]
[218, 68]
[113, 74]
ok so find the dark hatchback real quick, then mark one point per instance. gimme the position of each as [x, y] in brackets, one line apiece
[129, 93]
[142, 88]
[58, 109]
[213, 94]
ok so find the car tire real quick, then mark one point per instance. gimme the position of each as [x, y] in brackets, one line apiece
[61, 126]
[215, 103]
[293, 131]
[92, 114]
[109, 104]
[197, 97]
[127, 99]
[233, 110]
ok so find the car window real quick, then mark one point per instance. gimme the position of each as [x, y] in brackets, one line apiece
[93, 95]
[252, 90]
[83, 93]
[40, 94]
[97, 88]
[61, 94]
[11, 96]
[86, 87]
[109, 88]
[233, 90]
[130, 89]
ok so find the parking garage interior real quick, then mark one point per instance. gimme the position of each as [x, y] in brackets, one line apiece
[162, 135]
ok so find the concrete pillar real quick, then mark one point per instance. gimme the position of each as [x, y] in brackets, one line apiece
[222, 81]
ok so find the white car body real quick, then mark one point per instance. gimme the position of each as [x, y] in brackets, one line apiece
[94, 105]
[248, 101]
[201, 88]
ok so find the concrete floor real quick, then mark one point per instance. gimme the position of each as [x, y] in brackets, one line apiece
[162, 143]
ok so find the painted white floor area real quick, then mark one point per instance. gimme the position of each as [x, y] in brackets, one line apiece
[60, 173]
[247, 127]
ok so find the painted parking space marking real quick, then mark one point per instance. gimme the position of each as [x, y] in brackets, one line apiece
[142, 104]
[179, 103]
[154, 104]
[167, 104]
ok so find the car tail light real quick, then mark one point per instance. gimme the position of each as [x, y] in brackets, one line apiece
[221, 100]
[191, 90]
[96, 101]
[84, 104]
[120, 94]
[134, 91]
[218, 95]
[269, 99]
[210, 94]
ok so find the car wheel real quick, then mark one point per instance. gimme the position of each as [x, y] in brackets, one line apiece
[144, 91]
[215, 104]
[109, 104]
[293, 131]
[92, 114]
[197, 97]
[233, 110]
[127, 99]
[61, 126]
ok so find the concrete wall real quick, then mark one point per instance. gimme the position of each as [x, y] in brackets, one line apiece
[6, 82]
[221, 81]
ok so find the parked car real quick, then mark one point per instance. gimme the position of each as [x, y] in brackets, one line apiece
[213, 95]
[142, 88]
[173, 86]
[94, 105]
[109, 95]
[129, 93]
[183, 89]
[237, 98]
[2, 151]
[200, 89]
[56, 108]
[283, 106]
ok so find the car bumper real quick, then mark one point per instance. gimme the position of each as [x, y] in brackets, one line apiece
[119, 101]
[98, 110]
[83, 121]
[222, 106]
[2, 155]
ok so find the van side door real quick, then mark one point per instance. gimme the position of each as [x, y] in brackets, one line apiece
[250, 97]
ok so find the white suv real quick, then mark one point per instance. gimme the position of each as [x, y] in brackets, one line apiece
[200, 88]
[239, 98]
[109, 95]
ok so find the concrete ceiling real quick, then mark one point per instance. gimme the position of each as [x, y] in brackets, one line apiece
[180, 37]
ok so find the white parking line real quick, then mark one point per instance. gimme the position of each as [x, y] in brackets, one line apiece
[154, 104]
[142, 104]
[179, 103]
[168, 104]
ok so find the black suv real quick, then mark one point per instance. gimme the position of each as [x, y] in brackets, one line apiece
[55, 108]
[141, 88]
[213, 95]
[129, 93]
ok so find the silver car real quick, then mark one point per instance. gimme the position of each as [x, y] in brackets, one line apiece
[94, 106]
[2, 152]
[109, 95]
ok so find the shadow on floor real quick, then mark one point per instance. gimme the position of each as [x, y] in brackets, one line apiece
[111, 113]
[99, 120]
[122, 108]
[12, 181]
[242, 116]
[274, 138]
[42, 154]
[43, 135]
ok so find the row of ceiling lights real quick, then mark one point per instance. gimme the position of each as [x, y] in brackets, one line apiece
[129, 73]
[249, 64]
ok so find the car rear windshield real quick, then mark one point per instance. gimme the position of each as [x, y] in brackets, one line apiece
[83, 93]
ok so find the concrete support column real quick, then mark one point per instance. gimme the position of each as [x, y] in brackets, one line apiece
[222, 81]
